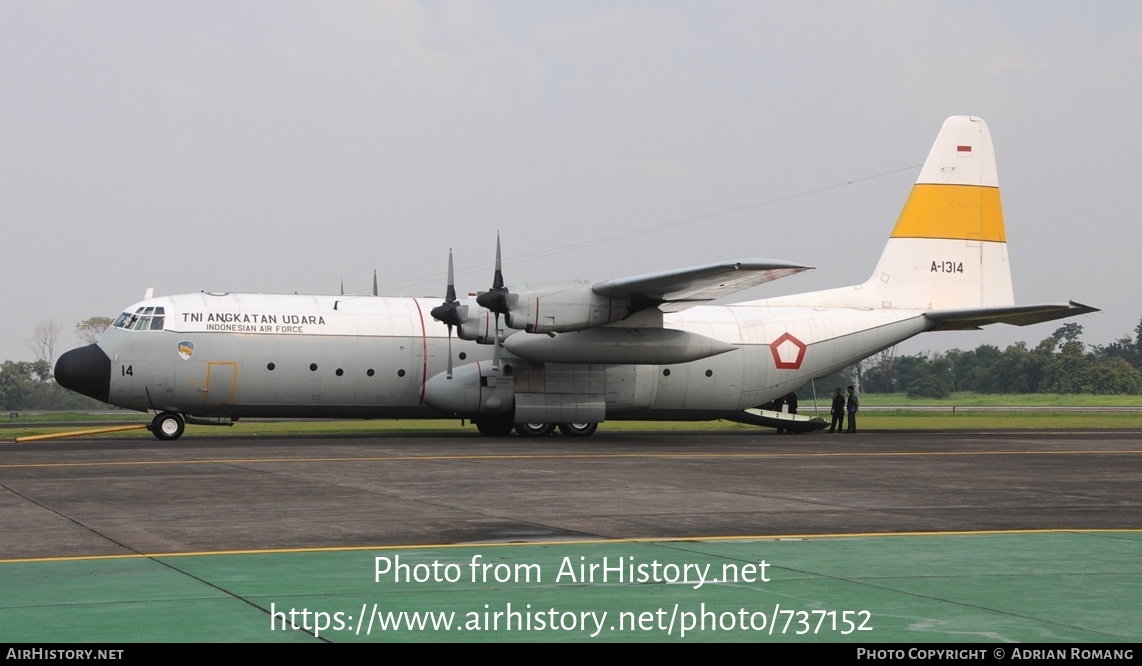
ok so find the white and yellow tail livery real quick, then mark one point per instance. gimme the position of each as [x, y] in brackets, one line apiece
[949, 247]
[947, 255]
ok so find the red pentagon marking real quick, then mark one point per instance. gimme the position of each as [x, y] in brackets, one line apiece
[788, 352]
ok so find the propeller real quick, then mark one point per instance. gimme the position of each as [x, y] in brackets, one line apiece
[496, 300]
[448, 312]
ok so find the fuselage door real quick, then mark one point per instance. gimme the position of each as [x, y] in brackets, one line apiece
[221, 381]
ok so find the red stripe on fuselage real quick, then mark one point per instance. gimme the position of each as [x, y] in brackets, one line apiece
[423, 350]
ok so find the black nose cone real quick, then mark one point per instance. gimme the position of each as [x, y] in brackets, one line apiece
[86, 370]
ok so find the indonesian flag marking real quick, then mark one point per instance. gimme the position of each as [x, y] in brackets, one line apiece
[963, 151]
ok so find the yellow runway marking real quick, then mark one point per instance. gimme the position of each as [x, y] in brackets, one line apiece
[569, 542]
[576, 456]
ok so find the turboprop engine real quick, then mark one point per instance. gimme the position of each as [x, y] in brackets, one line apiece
[519, 391]
[557, 307]
[474, 390]
[474, 323]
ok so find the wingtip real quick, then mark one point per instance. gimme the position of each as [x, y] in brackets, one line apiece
[1085, 309]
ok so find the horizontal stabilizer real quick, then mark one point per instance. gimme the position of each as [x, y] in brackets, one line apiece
[676, 290]
[1016, 315]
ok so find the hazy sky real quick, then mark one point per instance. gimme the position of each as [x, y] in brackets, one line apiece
[285, 146]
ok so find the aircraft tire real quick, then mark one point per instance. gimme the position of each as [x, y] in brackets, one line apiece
[578, 429]
[494, 428]
[168, 426]
[534, 429]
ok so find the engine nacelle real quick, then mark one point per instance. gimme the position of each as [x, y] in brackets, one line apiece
[556, 307]
[477, 324]
[525, 392]
[474, 390]
[610, 345]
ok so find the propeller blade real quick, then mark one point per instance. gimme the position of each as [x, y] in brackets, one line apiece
[449, 375]
[498, 278]
[496, 345]
[450, 294]
[448, 312]
[496, 298]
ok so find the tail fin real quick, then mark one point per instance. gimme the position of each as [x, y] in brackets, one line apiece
[948, 252]
[949, 247]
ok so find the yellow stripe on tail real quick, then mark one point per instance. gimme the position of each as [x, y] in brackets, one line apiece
[962, 212]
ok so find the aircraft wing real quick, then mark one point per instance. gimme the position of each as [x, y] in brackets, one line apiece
[1016, 315]
[673, 291]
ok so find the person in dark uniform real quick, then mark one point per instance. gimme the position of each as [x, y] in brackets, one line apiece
[853, 405]
[791, 401]
[838, 412]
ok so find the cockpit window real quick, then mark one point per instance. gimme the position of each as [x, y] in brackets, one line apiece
[144, 319]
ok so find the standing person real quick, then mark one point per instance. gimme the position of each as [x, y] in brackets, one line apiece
[838, 412]
[791, 401]
[779, 406]
[853, 406]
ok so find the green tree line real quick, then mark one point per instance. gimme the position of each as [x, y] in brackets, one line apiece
[1059, 364]
[28, 385]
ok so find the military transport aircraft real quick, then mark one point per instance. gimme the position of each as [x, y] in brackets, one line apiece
[573, 353]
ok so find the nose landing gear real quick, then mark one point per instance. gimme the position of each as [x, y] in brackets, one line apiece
[167, 426]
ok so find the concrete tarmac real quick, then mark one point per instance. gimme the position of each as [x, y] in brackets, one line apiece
[96, 497]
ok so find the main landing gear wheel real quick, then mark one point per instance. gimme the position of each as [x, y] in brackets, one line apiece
[494, 428]
[168, 426]
[578, 429]
[534, 429]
